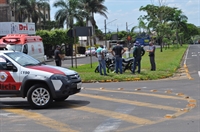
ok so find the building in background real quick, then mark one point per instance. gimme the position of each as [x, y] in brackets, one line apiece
[9, 13]
[5, 11]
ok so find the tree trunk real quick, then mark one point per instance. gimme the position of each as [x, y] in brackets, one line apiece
[94, 33]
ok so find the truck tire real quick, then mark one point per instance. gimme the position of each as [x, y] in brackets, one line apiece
[39, 96]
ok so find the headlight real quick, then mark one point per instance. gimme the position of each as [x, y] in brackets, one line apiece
[59, 77]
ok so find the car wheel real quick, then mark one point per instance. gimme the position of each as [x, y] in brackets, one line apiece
[39, 96]
[61, 99]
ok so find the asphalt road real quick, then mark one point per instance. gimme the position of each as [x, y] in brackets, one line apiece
[168, 105]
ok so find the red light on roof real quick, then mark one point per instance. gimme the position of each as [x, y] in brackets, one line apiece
[10, 40]
[2, 45]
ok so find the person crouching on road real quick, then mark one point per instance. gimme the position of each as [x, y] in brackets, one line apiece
[138, 52]
[101, 58]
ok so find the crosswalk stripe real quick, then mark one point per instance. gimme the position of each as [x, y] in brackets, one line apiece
[137, 93]
[42, 120]
[130, 102]
[113, 114]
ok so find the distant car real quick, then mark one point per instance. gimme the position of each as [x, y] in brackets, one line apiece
[92, 52]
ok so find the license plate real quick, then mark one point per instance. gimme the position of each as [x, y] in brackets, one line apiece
[79, 85]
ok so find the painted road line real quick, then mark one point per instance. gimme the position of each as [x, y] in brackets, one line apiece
[137, 93]
[112, 124]
[124, 101]
[113, 114]
[156, 122]
[42, 120]
[185, 65]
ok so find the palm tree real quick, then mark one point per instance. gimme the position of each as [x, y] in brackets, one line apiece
[44, 6]
[27, 9]
[92, 7]
[178, 21]
[20, 9]
[68, 12]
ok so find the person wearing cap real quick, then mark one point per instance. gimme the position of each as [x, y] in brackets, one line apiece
[58, 56]
[151, 51]
[138, 52]
[100, 54]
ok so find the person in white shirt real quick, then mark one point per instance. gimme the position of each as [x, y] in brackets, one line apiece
[100, 54]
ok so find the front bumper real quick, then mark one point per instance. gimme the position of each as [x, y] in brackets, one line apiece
[68, 89]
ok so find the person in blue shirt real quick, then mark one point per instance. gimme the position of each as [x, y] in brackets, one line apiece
[100, 54]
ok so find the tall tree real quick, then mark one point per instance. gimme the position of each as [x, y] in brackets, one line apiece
[68, 12]
[20, 9]
[178, 21]
[44, 7]
[158, 16]
[27, 9]
[93, 7]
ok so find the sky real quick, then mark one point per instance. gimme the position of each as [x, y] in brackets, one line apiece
[123, 14]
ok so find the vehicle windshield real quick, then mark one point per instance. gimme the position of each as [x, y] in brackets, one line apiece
[23, 59]
[92, 48]
[14, 47]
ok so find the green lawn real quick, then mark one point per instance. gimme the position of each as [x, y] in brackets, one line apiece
[167, 62]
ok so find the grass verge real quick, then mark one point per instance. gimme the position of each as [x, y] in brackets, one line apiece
[167, 62]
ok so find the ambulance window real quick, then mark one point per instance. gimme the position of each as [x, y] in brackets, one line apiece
[25, 49]
[2, 63]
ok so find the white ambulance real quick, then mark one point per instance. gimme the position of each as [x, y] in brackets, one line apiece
[31, 45]
[23, 76]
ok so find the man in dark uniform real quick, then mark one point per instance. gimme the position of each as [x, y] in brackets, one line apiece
[117, 52]
[138, 52]
[58, 56]
[151, 51]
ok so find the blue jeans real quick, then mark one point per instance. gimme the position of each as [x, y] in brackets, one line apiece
[102, 65]
[118, 64]
[137, 62]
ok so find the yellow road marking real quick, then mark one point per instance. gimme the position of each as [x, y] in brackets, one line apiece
[145, 94]
[187, 72]
[112, 114]
[124, 101]
[156, 122]
[42, 120]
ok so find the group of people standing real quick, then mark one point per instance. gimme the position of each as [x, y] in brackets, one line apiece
[118, 51]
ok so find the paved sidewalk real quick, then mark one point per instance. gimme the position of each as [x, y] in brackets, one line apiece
[67, 57]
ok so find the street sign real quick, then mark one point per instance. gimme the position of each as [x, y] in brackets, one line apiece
[129, 38]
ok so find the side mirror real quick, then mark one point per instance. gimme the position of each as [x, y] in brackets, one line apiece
[11, 67]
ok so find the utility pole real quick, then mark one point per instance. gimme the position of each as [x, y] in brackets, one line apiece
[126, 26]
[105, 33]
[106, 28]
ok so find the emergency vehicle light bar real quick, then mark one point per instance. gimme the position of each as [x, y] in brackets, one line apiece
[10, 40]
